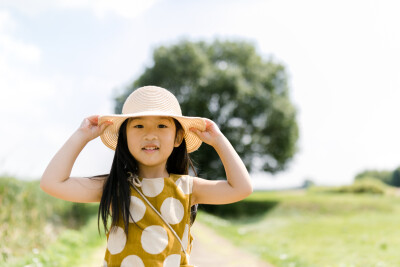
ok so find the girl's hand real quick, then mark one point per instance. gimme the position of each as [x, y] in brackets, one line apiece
[91, 129]
[210, 135]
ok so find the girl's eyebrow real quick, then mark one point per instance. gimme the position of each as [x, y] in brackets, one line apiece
[166, 118]
[160, 119]
[136, 118]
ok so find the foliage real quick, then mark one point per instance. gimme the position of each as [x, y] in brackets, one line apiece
[30, 219]
[388, 177]
[396, 177]
[384, 176]
[241, 209]
[308, 183]
[360, 186]
[231, 84]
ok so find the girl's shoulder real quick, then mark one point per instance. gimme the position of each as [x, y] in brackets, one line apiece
[176, 177]
[181, 177]
[183, 181]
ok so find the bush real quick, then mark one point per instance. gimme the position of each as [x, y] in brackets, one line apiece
[384, 176]
[388, 177]
[363, 186]
[242, 209]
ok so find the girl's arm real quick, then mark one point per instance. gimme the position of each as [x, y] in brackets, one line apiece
[238, 185]
[56, 180]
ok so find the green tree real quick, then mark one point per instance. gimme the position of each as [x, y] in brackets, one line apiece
[228, 82]
[396, 177]
[308, 183]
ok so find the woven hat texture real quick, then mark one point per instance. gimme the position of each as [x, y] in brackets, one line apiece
[152, 101]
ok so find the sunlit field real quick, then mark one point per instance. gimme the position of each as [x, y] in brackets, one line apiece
[315, 229]
[39, 230]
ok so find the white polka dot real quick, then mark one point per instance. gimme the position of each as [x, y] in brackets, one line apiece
[132, 261]
[185, 237]
[154, 239]
[184, 184]
[172, 260]
[172, 210]
[116, 240]
[137, 209]
[152, 187]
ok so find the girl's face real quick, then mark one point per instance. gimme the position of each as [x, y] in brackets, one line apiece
[151, 140]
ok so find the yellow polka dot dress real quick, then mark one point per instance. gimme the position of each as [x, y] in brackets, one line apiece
[155, 245]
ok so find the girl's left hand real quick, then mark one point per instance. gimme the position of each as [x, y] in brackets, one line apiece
[210, 134]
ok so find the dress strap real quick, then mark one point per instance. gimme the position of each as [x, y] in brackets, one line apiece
[134, 180]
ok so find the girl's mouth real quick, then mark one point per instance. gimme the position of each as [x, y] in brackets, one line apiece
[150, 148]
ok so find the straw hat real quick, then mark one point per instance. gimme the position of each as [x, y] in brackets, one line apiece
[152, 101]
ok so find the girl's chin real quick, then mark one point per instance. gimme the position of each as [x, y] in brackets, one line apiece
[150, 151]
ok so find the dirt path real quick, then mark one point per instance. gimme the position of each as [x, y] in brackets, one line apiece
[209, 250]
[212, 250]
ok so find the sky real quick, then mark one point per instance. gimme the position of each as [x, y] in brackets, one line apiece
[64, 60]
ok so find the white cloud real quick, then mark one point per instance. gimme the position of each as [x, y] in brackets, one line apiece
[38, 124]
[41, 111]
[11, 48]
[19, 87]
[128, 9]
[18, 49]
[5, 20]
[124, 8]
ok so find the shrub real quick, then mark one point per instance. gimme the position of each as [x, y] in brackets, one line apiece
[382, 175]
[363, 186]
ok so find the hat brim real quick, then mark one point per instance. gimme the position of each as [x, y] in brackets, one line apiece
[110, 135]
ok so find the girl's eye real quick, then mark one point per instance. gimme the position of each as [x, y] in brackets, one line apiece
[162, 126]
[138, 126]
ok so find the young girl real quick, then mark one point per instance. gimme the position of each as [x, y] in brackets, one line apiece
[149, 194]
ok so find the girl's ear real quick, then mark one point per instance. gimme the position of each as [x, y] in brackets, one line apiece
[179, 138]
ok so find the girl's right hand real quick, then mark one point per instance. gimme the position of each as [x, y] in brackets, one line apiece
[91, 129]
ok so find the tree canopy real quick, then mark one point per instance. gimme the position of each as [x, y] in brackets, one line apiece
[231, 84]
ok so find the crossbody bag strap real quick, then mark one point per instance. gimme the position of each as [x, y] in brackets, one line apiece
[134, 180]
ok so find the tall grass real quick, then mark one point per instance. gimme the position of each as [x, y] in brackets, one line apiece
[72, 248]
[30, 219]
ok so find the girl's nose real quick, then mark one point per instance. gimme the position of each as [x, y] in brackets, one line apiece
[150, 136]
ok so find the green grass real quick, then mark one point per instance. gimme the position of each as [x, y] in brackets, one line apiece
[72, 248]
[291, 229]
[31, 221]
[314, 229]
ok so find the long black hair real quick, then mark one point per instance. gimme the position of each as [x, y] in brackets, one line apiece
[116, 197]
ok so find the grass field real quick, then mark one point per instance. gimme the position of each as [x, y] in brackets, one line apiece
[291, 229]
[299, 229]
[39, 230]
[71, 248]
